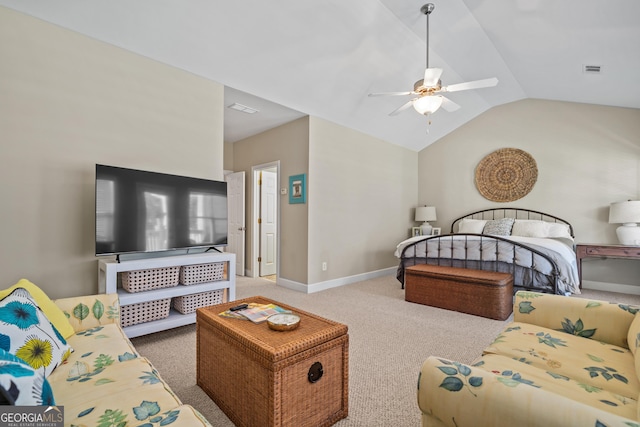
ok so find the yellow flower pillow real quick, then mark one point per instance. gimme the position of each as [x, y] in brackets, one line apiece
[26, 333]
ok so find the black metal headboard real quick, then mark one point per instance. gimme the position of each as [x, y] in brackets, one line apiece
[516, 213]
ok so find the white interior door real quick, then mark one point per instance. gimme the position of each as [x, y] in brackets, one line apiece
[268, 223]
[237, 229]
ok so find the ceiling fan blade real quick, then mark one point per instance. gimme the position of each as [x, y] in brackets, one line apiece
[432, 76]
[449, 106]
[391, 93]
[401, 108]
[476, 84]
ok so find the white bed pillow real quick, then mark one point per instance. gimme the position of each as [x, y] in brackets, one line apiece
[468, 225]
[558, 229]
[540, 229]
[529, 228]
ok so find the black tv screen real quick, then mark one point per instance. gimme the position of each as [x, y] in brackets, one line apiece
[138, 211]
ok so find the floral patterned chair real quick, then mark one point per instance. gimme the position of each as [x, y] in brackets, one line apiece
[562, 362]
[97, 375]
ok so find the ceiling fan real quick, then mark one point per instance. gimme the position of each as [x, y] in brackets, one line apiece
[428, 90]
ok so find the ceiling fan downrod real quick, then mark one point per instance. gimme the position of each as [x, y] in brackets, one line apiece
[426, 10]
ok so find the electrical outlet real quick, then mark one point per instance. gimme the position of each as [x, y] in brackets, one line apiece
[324, 266]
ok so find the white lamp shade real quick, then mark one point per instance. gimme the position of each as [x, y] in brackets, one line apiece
[426, 213]
[427, 104]
[624, 212]
[628, 214]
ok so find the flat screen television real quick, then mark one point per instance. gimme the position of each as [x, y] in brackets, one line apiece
[139, 211]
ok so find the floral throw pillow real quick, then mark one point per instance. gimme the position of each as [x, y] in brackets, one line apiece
[20, 384]
[26, 333]
[499, 227]
[50, 309]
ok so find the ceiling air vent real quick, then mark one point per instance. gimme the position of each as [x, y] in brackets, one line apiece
[243, 108]
[591, 69]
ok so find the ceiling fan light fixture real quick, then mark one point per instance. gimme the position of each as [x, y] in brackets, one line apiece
[428, 100]
[427, 104]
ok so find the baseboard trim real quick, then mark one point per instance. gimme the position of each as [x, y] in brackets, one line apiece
[334, 283]
[290, 284]
[611, 287]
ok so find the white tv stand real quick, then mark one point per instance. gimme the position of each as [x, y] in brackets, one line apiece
[108, 283]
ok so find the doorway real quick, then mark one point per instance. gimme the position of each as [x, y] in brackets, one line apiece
[266, 220]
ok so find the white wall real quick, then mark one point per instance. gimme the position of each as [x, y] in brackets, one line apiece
[68, 102]
[361, 193]
[587, 156]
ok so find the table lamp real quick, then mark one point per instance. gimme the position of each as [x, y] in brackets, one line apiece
[426, 214]
[628, 214]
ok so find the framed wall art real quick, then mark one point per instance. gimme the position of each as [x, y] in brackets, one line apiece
[298, 188]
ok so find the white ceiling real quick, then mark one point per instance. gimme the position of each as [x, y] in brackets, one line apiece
[322, 58]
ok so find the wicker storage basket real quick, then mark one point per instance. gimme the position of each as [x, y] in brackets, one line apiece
[201, 273]
[153, 278]
[144, 311]
[189, 303]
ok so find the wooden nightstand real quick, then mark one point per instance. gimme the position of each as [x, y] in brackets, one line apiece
[596, 250]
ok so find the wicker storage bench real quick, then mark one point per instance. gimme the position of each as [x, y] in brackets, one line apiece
[482, 293]
[260, 377]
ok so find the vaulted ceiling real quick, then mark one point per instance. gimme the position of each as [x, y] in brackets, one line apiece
[323, 58]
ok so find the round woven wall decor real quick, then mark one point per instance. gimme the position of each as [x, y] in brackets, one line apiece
[506, 175]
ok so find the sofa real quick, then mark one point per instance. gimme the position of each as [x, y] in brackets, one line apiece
[562, 362]
[97, 375]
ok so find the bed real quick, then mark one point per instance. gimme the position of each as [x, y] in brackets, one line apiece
[536, 248]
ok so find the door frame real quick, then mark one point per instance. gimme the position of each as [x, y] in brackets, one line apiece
[240, 257]
[255, 213]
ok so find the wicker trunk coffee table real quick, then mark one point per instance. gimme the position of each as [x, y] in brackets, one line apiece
[260, 377]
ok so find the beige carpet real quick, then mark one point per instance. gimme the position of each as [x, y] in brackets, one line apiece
[389, 340]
